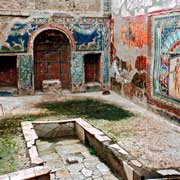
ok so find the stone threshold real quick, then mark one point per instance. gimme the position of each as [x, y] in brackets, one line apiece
[118, 159]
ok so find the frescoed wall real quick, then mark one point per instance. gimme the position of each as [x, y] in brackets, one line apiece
[146, 51]
[85, 23]
[134, 32]
[128, 70]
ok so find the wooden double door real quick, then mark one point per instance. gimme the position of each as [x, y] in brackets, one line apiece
[52, 57]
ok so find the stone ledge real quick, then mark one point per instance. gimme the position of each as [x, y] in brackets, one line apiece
[119, 149]
[102, 138]
[89, 128]
[27, 174]
[40, 170]
[29, 133]
[8, 12]
[51, 122]
[34, 156]
[167, 172]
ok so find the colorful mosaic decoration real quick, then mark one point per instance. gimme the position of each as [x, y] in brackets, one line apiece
[77, 68]
[90, 34]
[85, 34]
[25, 65]
[166, 78]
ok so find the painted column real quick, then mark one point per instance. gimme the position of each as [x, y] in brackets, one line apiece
[77, 72]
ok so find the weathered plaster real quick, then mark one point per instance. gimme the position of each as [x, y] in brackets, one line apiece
[133, 44]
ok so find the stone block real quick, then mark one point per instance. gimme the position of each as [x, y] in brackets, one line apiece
[26, 124]
[166, 172]
[21, 175]
[35, 159]
[40, 170]
[25, 13]
[94, 131]
[102, 138]
[15, 13]
[128, 170]
[73, 160]
[33, 152]
[80, 132]
[83, 124]
[52, 86]
[30, 144]
[136, 163]
[115, 146]
[5, 12]
[55, 129]
[122, 151]
[4, 177]
[29, 135]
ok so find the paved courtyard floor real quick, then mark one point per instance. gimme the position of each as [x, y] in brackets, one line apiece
[69, 159]
[152, 139]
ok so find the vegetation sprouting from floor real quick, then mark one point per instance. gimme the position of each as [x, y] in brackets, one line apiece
[11, 125]
[89, 109]
[13, 153]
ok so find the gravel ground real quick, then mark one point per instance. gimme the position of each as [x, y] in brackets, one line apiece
[152, 139]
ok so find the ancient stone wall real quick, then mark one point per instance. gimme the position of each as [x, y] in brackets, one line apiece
[140, 70]
[57, 5]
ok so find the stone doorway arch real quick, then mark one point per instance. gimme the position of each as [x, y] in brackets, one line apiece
[52, 58]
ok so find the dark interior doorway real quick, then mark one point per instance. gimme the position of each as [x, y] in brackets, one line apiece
[8, 71]
[52, 55]
[92, 67]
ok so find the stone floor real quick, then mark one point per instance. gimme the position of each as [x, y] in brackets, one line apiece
[69, 159]
[149, 137]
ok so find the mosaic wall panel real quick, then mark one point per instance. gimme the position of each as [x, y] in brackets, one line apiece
[166, 79]
[91, 34]
[106, 68]
[77, 68]
[25, 66]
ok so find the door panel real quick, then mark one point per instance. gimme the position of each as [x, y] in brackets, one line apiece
[52, 57]
[52, 67]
